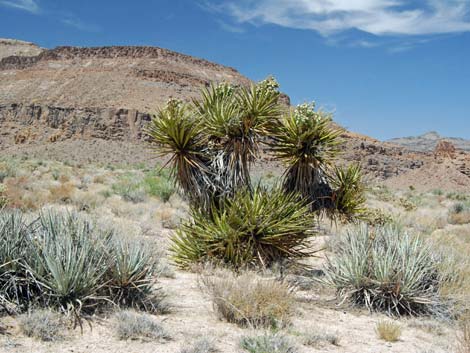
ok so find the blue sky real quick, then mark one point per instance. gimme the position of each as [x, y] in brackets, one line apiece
[386, 68]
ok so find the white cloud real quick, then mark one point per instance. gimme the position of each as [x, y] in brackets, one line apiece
[25, 5]
[377, 17]
[80, 25]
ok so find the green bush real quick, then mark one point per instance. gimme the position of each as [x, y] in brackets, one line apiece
[135, 188]
[250, 229]
[158, 184]
[386, 269]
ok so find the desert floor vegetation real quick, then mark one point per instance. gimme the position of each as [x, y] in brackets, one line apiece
[299, 256]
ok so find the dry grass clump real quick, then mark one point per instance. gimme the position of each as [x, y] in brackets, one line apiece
[463, 344]
[133, 325]
[202, 345]
[388, 331]
[459, 214]
[18, 194]
[249, 300]
[62, 193]
[267, 343]
[316, 338]
[45, 325]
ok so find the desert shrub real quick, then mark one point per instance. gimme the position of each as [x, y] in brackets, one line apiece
[8, 169]
[407, 204]
[133, 325]
[386, 269]
[388, 331]
[130, 188]
[256, 228]
[44, 325]
[249, 300]
[19, 195]
[459, 213]
[202, 345]
[158, 184]
[62, 193]
[377, 217]
[131, 275]
[316, 338]
[267, 343]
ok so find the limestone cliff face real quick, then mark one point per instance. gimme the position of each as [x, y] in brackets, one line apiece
[101, 92]
[23, 123]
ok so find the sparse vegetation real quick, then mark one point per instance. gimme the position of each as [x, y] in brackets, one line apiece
[249, 300]
[267, 343]
[133, 325]
[44, 325]
[203, 345]
[316, 337]
[459, 213]
[388, 331]
[464, 338]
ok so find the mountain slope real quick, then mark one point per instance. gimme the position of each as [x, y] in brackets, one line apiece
[428, 142]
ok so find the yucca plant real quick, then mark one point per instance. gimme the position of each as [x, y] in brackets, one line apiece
[69, 262]
[17, 287]
[252, 228]
[307, 143]
[386, 269]
[180, 135]
[348, 193]
[214, 141]
[131, 275]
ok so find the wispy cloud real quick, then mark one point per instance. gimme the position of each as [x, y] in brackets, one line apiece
[25, 5]
[376, 17]
[230, 28]
[80, 25]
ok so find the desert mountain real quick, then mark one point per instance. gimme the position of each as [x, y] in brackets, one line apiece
[92, 104]
[428, 142]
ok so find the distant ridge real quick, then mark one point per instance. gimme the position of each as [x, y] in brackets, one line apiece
[427, 142]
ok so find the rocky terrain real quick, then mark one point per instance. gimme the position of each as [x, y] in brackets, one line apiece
[92, 105]
[427, 142]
